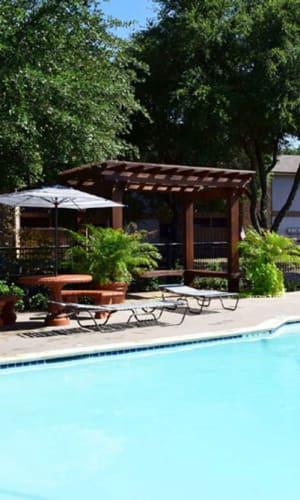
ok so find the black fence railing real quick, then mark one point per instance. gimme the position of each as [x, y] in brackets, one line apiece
[17, 261]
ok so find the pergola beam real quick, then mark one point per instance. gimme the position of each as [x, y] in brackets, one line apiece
[194, 181]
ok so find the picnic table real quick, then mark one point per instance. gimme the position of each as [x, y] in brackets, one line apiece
[55, 284]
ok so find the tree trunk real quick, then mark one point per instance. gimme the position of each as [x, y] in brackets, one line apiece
[282, 212]
[263, 212]
[252, 195]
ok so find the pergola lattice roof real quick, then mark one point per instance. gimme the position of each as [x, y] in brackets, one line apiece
[139, 176]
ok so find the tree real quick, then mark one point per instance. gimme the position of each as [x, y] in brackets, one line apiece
[223, 87]
[66, 89]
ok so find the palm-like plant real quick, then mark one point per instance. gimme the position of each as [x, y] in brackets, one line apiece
[111, 255]
[260, 254]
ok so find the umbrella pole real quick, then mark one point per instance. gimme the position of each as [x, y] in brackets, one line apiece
[56, 238]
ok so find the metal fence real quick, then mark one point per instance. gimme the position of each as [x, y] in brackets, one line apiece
[16, 261]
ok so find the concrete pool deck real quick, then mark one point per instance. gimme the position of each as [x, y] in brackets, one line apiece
[30, 340]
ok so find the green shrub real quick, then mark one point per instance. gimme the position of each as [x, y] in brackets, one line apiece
[209, 283]
[144, 284]
[10, 289]
[260, 254]
[111, 255]
[38, 302]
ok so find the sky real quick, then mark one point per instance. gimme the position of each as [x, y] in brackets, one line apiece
[129, 10]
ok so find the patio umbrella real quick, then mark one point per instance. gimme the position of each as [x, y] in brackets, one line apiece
[56, 197]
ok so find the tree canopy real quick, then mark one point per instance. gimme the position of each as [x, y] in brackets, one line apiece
[223, 86]
[66, 88]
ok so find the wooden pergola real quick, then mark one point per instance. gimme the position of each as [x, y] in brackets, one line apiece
[191, 184]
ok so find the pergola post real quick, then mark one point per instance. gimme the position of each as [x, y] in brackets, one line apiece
[233, 239]
[188, 237]
[117, 212]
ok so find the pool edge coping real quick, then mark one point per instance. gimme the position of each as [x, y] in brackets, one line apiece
[266, 327]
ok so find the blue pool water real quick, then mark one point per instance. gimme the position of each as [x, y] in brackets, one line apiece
[205, 422]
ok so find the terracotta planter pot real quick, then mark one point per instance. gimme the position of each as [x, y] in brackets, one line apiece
[7, 309]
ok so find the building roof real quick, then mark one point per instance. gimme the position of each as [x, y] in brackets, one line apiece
[139, 176]
[287, 164]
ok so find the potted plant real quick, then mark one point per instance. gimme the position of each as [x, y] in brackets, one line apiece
[112, 256]
[9, 295]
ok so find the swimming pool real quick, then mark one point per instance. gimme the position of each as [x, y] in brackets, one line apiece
[202, 422]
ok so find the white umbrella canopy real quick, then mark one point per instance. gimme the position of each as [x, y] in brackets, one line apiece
[56, 197]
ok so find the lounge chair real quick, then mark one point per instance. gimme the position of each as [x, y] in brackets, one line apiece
[202, 297]
[140, 311]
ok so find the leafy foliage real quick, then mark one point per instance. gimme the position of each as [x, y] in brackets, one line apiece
[111, 255]
[260, 254]
[208, 282]
[66, 88]
[38, 302]
[10, 289]
[223, 86]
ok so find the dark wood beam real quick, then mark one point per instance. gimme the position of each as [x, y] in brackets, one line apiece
[117, 212]
[188, 232]
[233, 239]
[171, 181]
